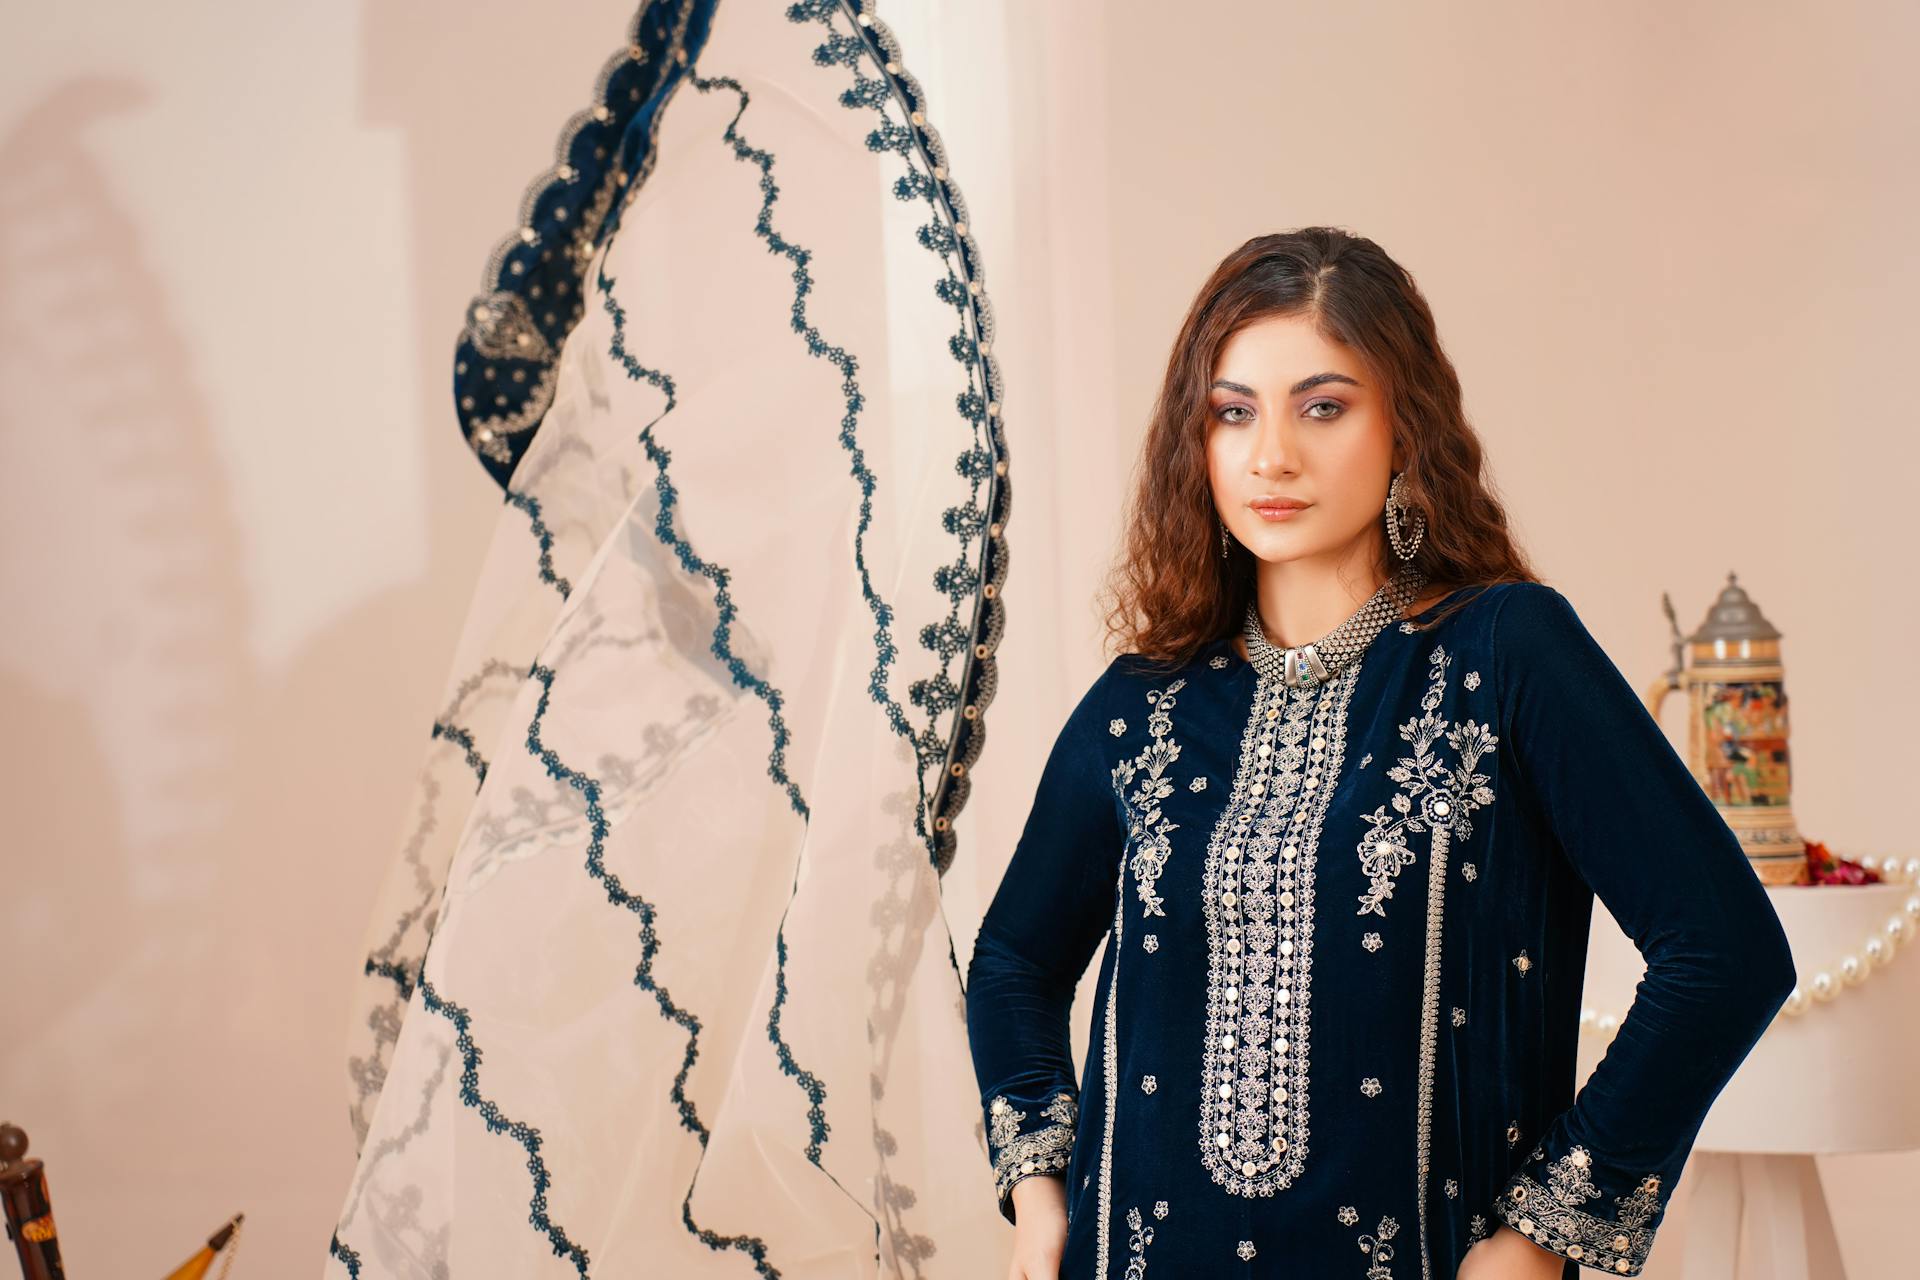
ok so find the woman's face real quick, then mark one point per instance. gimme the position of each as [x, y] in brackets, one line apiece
[1294, 416]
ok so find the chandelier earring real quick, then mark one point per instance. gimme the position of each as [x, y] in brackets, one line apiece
[1398, 511]
[1224, 543]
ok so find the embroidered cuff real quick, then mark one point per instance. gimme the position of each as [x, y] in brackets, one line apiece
[1020, 1149]
[1558, 1216]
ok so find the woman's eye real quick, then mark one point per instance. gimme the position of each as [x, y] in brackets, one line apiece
[1224, 410]
[1334, 405]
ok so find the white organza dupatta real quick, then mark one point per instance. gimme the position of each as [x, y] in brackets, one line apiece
[688, 1004]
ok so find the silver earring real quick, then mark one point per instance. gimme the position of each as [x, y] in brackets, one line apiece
[1223, 536]
[1396, 512]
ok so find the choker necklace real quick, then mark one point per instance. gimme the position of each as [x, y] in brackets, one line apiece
[1317, 661]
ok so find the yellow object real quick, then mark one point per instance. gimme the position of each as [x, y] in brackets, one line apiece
[222, 1243]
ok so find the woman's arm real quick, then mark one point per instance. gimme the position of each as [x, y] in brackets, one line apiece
[1642, 834]
[1047, 917]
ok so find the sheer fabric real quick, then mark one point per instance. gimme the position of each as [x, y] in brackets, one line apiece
[660, 981]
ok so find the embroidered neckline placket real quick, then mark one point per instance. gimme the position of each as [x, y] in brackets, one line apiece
[1258, 888]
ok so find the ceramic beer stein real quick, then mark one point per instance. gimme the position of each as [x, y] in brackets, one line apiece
[1737, 728]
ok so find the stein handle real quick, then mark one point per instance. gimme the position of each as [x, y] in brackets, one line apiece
[1675, 676]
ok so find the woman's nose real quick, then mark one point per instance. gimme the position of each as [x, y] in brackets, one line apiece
[1275, 448]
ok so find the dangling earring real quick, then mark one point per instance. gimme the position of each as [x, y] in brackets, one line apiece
[1223, 536]
[1396, 511]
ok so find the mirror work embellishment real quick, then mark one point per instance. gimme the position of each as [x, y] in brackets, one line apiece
[1434, 794]
[1017, 1155]
[1554, 1216]
[1257, 893]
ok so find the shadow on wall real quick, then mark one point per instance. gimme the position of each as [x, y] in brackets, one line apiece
[178, 863]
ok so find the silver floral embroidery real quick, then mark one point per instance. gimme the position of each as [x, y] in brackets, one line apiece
[1257, 893]
[1159, 1208]
[1433, 795]
[1472, 680]
[1348, 1215]
[1379, 1252]
[1042, 1150]
[1116, 726]
[1522, 963]
[1470, 871]
[1141, 1236]
[1569, 1180]
[1245, 1250]
[1459, 1016]
[1366, 759]
[1147, 826]
[1219, 661]
[1148, 1084]
[1452, 1188]
[1372, 942]
[1151, 942]
[1198, 784]
[1477, 1227]
[1552, 1216]
[1444, 797]
[1371, 1086]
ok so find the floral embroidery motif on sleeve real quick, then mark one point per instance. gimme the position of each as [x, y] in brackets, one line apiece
[1433, 795]
[1046, 1149]
[1554, 1217]
[1147, 825]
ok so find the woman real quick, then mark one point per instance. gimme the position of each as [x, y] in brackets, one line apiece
[1343, 804]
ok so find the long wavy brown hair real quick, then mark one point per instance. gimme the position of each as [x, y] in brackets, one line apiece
[1169, 593]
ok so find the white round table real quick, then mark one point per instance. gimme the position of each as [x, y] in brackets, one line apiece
[1834, 1080]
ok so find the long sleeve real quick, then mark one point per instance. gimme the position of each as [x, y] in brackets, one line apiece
[1641, 833]
[1052, 907]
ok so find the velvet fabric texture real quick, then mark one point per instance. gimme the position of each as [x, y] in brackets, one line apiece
[1346, 938]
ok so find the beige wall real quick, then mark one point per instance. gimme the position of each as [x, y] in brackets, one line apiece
[1666, 243]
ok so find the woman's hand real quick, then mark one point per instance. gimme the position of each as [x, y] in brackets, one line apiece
[1508, 1255]
[1039, 1227]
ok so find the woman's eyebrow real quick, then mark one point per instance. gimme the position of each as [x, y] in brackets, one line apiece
[1305, 384]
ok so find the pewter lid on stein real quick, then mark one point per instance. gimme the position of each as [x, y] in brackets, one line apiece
[1734, 617]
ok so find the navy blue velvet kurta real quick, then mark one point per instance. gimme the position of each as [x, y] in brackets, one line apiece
[1335, 1024]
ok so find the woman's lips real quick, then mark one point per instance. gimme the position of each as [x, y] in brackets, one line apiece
[1277, 513]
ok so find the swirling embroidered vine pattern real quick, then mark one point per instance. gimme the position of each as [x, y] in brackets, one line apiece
[1147, 825]
[1552, 1215]
[1433, 794]
[1044, 1149]
[1379, 1252]
[1141, 1235]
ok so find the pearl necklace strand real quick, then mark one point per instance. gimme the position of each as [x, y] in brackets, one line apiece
[1878, 950]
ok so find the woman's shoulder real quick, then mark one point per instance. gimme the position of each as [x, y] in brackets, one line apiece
[1491, 602]
[1531, 610]
[1128, 676]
